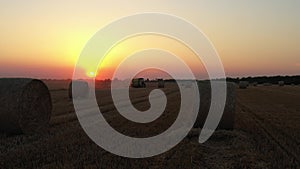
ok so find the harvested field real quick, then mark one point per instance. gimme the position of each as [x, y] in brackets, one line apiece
[266, 134]
[271, 114]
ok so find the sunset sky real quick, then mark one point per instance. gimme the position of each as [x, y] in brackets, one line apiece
[43, 39]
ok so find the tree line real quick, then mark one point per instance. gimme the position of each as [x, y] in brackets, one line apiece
[267, 79]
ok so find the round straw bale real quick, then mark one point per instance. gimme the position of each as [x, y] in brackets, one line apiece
[243, 84]
[81, 89]
[161, 83]
[227, 120]
[281, 83]
[25, 106]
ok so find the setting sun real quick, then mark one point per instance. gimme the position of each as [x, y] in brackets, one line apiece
[91, 74]
[150, 84]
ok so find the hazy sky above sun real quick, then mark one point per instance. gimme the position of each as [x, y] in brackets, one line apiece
[43, 39]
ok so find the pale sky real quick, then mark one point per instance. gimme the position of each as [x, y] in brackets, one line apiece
[43, 39]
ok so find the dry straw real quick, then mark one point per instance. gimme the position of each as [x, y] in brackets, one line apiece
[161, 83]
[227, 121]
[25, 106]
[81, 89]
[281, 83]
[243, 84]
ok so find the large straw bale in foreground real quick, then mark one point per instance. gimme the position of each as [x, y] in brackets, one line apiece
[25, 106]
[227, 120]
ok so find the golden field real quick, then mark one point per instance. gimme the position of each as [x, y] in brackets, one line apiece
[266, 134]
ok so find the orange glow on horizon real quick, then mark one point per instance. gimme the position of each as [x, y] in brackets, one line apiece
[43, 39]
[139, 43]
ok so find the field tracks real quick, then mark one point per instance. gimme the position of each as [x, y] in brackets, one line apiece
[71, 116]
[275, 136]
